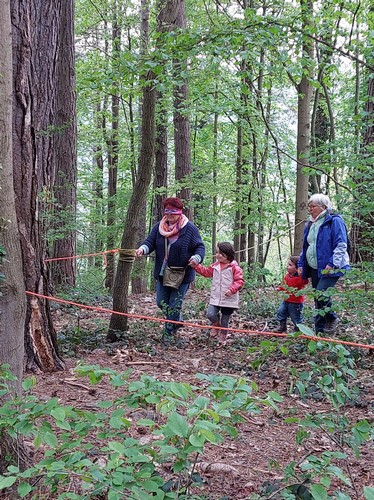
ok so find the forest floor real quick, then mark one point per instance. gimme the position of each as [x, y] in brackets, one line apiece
[253, 464]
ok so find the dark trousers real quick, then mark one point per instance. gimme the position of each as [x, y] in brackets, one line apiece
[170, 301]
[322, 301]
[217, 314]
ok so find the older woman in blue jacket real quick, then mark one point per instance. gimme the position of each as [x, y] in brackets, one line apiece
[324, 257]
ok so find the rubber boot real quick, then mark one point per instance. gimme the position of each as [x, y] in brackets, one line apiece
[214, 332]
[282, 327]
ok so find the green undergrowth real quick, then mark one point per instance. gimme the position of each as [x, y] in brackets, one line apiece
[96, 449]
[97, 453]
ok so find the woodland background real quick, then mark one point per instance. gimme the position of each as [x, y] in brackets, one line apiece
[242, 108]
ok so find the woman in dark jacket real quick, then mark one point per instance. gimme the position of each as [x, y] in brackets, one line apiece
[177, 242]
[324, 257]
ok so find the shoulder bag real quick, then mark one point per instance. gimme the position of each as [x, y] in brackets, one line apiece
[173, 276]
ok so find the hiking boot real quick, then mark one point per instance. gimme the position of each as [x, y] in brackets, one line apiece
[167, 339]
[179, 343]
[282, 327]
[331, 326]
[171, 340]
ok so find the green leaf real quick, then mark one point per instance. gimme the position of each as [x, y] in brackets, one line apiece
[50, 439]
[202, 402]
[146, 422]
[179, 390]
[168, 450]
[363, 426]
[326, 481]
[326, 380]
[24, 489]
[12, 469]
[152, 486]
[28, 383]
[342, 496]
[6, 482]
[301, 388]
[369, 493]
[58, 413]
[197, 440]
[63, 424]
[210, 436]
[275, 396]
[318, 492]
[117, 447]
[178, 424]
[116, 422]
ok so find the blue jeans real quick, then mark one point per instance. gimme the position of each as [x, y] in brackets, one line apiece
[292, 310]
[323, 302]
[170, 301]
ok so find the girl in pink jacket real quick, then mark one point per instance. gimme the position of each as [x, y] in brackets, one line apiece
[224, 296]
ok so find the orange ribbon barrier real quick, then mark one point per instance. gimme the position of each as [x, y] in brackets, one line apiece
[195, 325]
[84, 255]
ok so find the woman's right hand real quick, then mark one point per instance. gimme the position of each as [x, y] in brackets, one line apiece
[139, 252]
[300, 271]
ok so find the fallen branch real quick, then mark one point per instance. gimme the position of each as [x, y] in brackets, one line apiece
[81, 386]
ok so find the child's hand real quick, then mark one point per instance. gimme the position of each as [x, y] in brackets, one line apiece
[228, 293]
[192, 263]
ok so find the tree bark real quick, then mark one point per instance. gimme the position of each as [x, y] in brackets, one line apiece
[119, 324]
[65, 186]
[139, 275]
[113, 150]
[304, 90]
[362, 232]
[35, 39]
[12, 291]
[175, 14]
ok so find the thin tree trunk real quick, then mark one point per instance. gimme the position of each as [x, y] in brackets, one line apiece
[118, 324]
[113, 149]
[139, 277]
[215, 160]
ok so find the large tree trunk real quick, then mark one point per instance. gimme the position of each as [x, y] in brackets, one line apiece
[118, 324]
[181, 121]
[65, 187]
[304, 90]
[35, 35]
[173, 16]
[12, 291]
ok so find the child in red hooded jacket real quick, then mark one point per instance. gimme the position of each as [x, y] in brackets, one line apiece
[292, 306]
[224, 296]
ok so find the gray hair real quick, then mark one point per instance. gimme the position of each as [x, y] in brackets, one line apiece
[321, 200]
